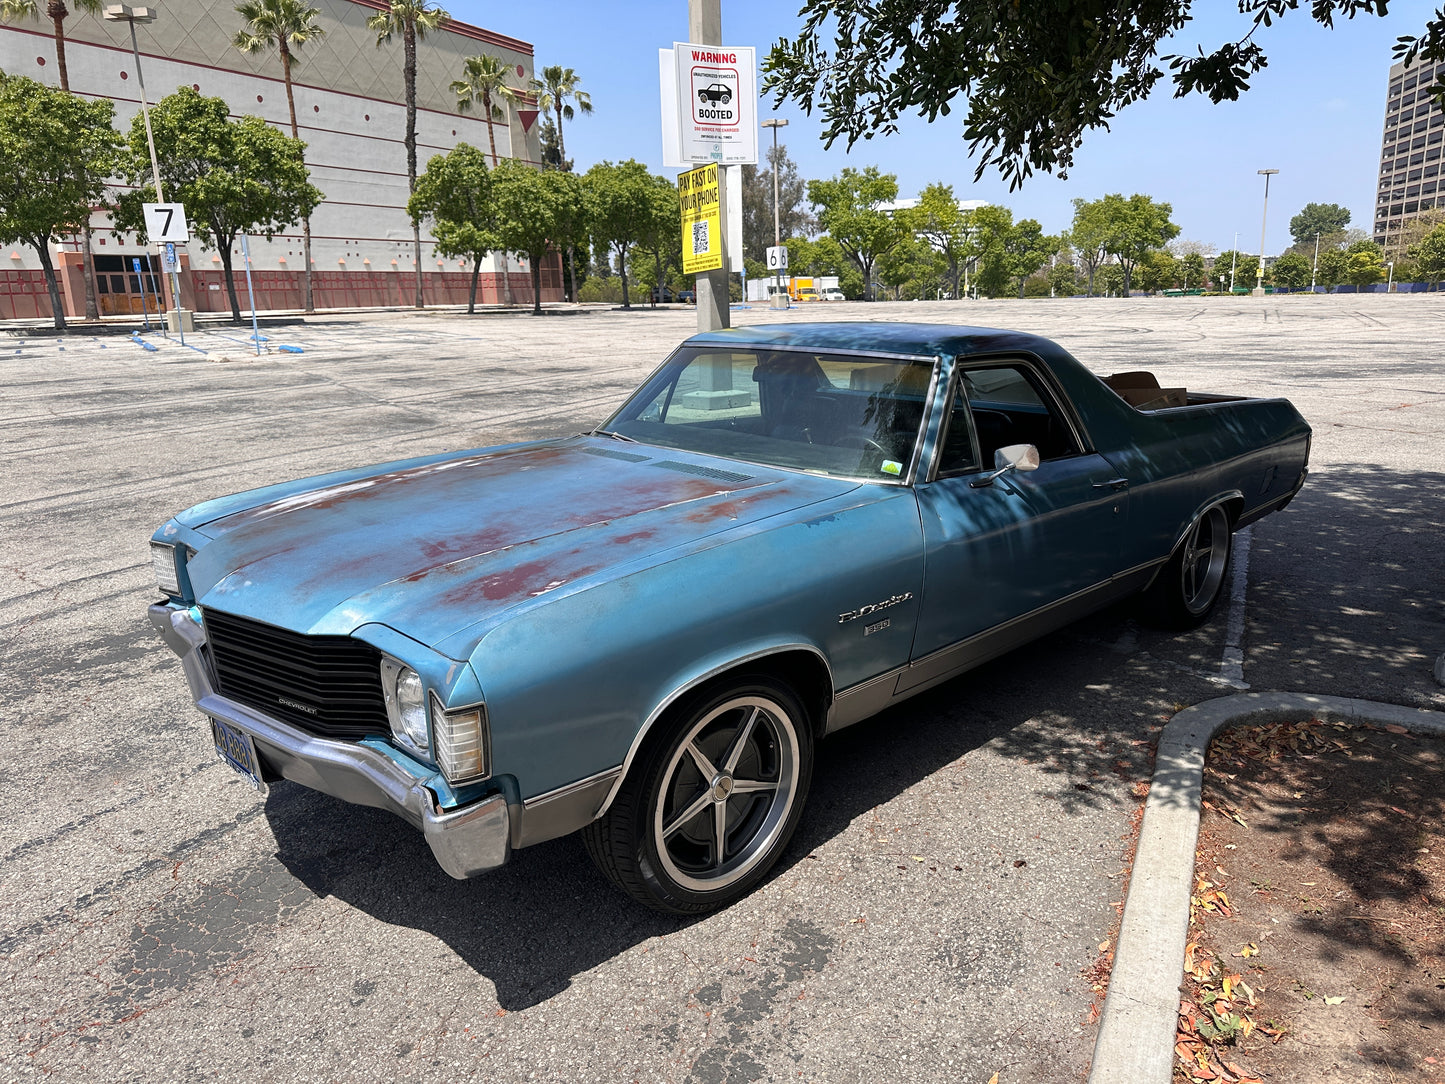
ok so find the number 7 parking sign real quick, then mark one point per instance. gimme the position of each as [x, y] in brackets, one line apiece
[166, 222]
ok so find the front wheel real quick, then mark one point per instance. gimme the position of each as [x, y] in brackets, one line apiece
[711, 804]
[1187, 589]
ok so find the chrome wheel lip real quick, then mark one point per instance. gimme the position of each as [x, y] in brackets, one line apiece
[757, 849]
[1200, 586]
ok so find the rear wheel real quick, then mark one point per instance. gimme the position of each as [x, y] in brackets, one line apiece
[710, 805]
[1185, 593]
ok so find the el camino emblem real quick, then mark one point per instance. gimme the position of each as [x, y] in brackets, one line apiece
[289, 703]
[873, 608]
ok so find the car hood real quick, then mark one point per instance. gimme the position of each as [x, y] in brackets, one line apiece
[434, 547]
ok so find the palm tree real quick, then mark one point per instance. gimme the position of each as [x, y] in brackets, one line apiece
[282, 24]
[412, 19]
[484, 82]
[554, 88]
[57, 13]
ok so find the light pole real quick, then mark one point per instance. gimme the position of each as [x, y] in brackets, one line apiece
[773, 302]
[1233, 258]
[1390, 284]
[117, 13]
[1263, 218]
[1314, 271]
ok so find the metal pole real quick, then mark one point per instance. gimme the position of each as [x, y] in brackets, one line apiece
[155, 172]
[1391, 283]
[704, 27]
[1314, 271]
[140, 278]
[251, 293]
[1233, 258]
[1263, 218]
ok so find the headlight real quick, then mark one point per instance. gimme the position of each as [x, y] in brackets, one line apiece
[405, 705]
[163, 564]
[461, 742]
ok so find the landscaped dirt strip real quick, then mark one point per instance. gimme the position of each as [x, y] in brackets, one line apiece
[1136, 1032]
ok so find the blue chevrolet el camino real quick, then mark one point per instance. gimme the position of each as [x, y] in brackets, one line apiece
[643, 631]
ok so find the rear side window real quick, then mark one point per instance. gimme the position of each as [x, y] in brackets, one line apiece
[1001, 405]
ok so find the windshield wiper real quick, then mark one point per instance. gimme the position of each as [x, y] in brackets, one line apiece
[610, 433]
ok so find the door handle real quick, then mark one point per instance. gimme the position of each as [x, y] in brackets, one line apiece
[1112, 483]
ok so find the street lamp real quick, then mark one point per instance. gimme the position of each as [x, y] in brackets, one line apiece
[779, 300]
[1390, 285]
[117, 13]
[1314, 271]
[1233, 258]
[1263, 218]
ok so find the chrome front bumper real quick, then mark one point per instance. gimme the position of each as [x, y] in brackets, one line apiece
[466, 841]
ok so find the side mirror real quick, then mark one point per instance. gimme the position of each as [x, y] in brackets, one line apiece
[1019, 457]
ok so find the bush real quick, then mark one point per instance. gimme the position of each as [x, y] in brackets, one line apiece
[607, 290]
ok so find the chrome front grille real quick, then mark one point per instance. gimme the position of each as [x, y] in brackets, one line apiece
[329, 686]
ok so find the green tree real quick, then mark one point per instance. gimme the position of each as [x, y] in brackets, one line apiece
[1064, 275]
[1364, 267]
[412, 19]
[993, 225]
[1321, 218]
[60, 148]
[234, 177]
[1026, 249]
[1091, 232]
[455, 194]
[938, 219]
[848, 208]
[1191, 270]
[1243, 264]
[1332, 269]
[1429, 256]
[283, 25]
[620, 210]
[57, 13]
[1291, 270]
[660, 243]
[1036, 77]
[1130, 228]
[535, 213]
[793, 217]
[912, 268]
[1158, 270]
[557, 90]
[1111, 280]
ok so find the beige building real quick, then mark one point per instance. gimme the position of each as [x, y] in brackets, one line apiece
[1410, 160]
[350, 110]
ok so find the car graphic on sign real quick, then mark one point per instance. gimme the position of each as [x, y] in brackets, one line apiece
[715, 92]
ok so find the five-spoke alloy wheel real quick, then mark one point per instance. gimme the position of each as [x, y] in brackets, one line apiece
[708, 808]
[1184, 594]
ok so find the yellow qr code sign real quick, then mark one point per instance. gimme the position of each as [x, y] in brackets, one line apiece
[699, 196]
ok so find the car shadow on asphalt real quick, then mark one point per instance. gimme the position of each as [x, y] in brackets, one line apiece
[1081, 706]
[549, 915]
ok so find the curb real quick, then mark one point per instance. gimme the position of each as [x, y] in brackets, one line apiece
[1137, 1027]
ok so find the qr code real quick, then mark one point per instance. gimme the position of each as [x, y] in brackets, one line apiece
[700, 238]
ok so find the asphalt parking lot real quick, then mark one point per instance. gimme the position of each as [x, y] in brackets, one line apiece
[960, 861]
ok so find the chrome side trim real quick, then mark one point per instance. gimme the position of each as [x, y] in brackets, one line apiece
[982, 647]
[692, 683]
[1202, 511]
[863, 700]
[564, 810]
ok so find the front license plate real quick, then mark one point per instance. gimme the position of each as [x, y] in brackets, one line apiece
[237, 749]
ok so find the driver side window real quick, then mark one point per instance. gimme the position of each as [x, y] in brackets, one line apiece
[1005, 404]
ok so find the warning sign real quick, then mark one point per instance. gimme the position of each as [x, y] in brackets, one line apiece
[718, 99]
[698, 195]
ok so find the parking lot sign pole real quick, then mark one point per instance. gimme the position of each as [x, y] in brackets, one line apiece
[140, 280]
[251, 293]
[704, 26]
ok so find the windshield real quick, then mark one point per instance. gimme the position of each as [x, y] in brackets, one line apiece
[847, 416]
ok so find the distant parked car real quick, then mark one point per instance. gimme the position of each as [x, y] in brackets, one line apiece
[642, 631]
[688, 297]
[833, 295]
[717, 92]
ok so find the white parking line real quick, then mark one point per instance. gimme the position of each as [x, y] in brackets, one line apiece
[1231, 667]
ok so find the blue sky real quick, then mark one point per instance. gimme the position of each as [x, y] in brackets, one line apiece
[1315, 114]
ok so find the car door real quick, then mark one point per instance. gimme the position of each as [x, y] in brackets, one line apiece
[1009, 557]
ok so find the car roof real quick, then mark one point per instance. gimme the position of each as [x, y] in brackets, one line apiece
[880, 337]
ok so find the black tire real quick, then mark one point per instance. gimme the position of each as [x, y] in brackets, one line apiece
[1188, 588]
[739, 757]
